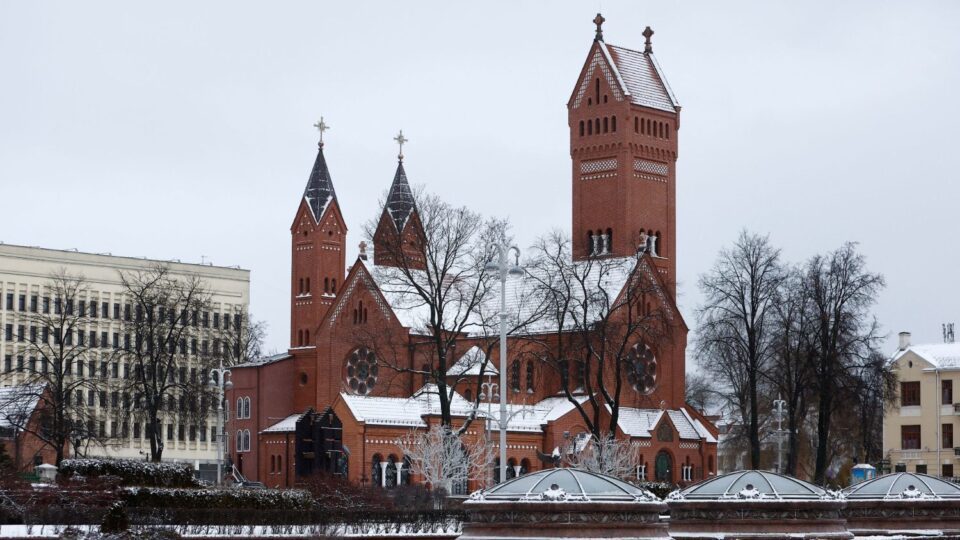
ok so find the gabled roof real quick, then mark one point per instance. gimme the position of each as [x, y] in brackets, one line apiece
[631, 74]
[17, 404]
[642, 423]
[940, 355]
[319, 191]
[287, 425]
[470, 363]
[400, 204]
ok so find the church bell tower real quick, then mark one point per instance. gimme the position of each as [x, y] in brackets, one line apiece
[623, 121]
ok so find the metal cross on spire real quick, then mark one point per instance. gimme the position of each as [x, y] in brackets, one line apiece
[400, 141]
[321, 127]
[598, 20]
[648, 45]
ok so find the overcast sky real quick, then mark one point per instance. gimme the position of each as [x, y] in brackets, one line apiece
[183, 129]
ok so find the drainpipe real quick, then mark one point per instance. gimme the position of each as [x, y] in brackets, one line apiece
[939, 425]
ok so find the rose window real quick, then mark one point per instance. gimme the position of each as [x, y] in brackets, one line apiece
[362, 371]
[642, 373]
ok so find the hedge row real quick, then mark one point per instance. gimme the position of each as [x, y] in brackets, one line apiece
[199, 499]
[132, 472]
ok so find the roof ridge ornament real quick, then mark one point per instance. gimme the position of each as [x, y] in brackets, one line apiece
[321, 127]
[599, 20]
[647, 44]
[400, 141]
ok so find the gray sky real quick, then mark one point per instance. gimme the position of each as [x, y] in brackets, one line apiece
[181, 129]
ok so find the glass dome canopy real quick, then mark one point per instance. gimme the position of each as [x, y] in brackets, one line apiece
[557, 485]
[903, 486]
[755, 485]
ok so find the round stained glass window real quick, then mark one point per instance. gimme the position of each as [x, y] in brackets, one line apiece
[362, 371]
[642, 373]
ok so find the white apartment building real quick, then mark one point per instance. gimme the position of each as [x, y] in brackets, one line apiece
[25, 276]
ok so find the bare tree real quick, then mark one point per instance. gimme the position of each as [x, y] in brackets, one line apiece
[437, 271]
[841, 292]
[167, 339]
[606, 455]
[601, 323]
[699, 391]
[442, 458]
[735, 336]
[872, 388]
[243, 338]
[49, 371]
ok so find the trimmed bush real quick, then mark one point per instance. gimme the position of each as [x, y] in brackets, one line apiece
[660, 489]
[199, 499]
[131, 472]
[116, 519]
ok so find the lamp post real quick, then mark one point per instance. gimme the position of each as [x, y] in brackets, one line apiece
[502, 266]
[218, 379]
[778, 405]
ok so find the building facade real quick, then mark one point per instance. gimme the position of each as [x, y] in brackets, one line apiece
[100, 331]
[918, 432]
[331, 405]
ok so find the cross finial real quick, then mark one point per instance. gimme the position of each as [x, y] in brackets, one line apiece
[321, 127]
[648, 45]
[400, 141]
[598, 20]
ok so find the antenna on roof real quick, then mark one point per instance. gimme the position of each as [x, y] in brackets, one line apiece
[948, 332]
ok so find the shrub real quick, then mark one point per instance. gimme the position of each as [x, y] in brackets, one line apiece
[199, 499]
[131, 472]
[116, 519]
[660, 489]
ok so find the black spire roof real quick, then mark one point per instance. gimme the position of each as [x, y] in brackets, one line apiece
[400, 199]
[319, 191]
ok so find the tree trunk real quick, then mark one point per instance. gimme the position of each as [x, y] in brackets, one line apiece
[823, 429]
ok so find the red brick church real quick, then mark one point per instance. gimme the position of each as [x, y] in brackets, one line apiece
[328, 405]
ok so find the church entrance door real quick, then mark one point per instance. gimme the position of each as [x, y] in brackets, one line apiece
[663, 467]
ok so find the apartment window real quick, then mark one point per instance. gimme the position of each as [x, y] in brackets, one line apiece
[181, 432]
[946, 435]
[116, 340]
[116, 310]
[91, 398]
[213, 433]
[105, 310]
[169, 432]
[8, 332]
[203, 433]
[946, 392]
[922, 469]
[909, 394]
[103, 430]
[45, 335]
[20, 333]
[46, 304]
[33, 334]
[83, 308]
[33, 364]
[33, 303]
[19, 363]
[93, 309]
[8, 363]
[216, 319]
[126, 371]
[22, 302]
[910, 437]
[103, 399]
[114, 399]
[946, 470]
[126, 312]
[68, 337]
[136, 430]
[10, 301]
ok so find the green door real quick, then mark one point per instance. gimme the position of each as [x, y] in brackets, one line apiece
[663, 467]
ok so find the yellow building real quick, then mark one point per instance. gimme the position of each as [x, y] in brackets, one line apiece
[918, 432]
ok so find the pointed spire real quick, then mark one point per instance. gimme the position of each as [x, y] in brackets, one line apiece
[319, 191]
[648, 45]
[400, 198]
[598, 20]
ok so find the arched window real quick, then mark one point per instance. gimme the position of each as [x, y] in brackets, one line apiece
[333, 286]
[649, 127]
[515, 376]
[326, 284]
[581, 374]
[581, 128]
[364, 314]
[246, 407]
[589, 127]
[643, 126]
[239, 440]
[609, 241]
[376, 472]
[524, 466]
[596, 125]
[468, 395]
[511, 468]
[604, 98]
[590, 246]
[306, 338]
[596, 90]
[606, 124]
[667, 130]
[308, 285]
[279, 463]
[239, 408]
[659, 244]
[405, 472]
[273, 463]
[530, 376]
[246, 440]
[613, 124]
[636, 124]
[391, 478]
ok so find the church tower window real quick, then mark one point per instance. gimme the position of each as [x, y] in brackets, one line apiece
[515, 376]
[613, 124]
[589, 127]
[581, 128]
[530, 376]
[596, 90]
[606, 124]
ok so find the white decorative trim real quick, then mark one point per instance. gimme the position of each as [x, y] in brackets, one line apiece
[614, 85]
[650, 167]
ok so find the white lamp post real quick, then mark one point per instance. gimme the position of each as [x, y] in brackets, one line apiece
[505, 269]
[219, 379]
[778, 405]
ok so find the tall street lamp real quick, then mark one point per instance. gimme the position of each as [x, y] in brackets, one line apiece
[219, 380]
[505, 269]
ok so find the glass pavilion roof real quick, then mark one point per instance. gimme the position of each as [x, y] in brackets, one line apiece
[903, 486]
[746, 485]
[565, 485]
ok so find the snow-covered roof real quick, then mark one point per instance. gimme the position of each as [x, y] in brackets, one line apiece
[264, 360]
[286, 425]
[641, 422]
[17, 403]
[642, 78]
[941, 355]
[319, 191]
[471, 363]
[400, 203]
[385, 410]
